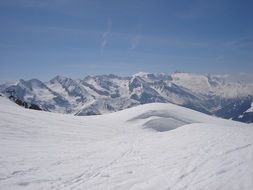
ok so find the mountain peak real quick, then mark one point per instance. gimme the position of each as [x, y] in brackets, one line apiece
[145, 75]
[142, 74]
[59, 78]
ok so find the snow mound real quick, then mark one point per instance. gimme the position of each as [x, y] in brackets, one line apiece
[41, 150]
[164, 117]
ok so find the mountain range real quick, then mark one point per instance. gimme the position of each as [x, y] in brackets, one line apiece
[220, 95]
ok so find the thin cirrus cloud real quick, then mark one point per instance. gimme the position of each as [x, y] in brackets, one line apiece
[240, 43]
[135, 41]
[105, 36]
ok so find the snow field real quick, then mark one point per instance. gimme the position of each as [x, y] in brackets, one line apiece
[123, 150]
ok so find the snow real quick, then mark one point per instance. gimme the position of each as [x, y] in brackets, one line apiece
[222, 86]
[122, 84]
[94, 83]
[250, 109]
[42, 94]
[123, 150]
[71, 91]
[197, 83]
[141, 74]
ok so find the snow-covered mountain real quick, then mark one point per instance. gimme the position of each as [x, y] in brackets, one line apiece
[225, 96]
[151, 146]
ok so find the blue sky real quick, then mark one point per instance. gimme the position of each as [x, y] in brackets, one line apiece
[41, 39]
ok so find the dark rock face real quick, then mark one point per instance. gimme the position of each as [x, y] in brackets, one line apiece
[235, 108]
[245, 117]
[24, 104]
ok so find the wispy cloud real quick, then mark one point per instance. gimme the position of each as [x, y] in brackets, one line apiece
[135, 41]
[105, 36]
[241, 43]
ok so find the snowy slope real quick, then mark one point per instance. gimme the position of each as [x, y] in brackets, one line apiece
[123, 150]
[222, 86]
[197, 83]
